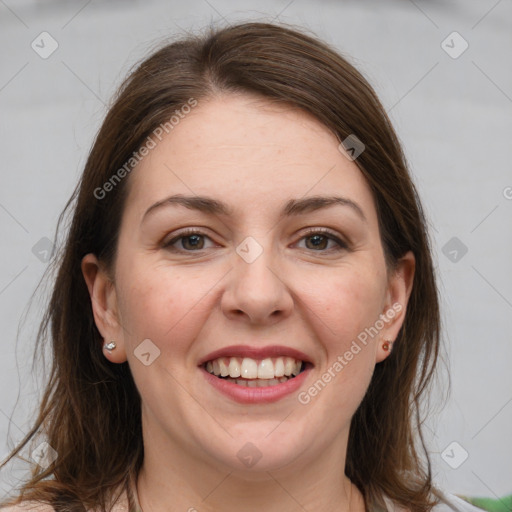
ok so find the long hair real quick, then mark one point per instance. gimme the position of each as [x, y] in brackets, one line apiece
[90, 410]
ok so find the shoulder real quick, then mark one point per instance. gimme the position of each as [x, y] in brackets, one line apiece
[447, 503]
[121, 505]
[452, 503]
[29, 506]
[36, 506]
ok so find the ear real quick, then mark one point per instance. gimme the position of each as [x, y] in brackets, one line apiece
[399, 289]
[104, 306]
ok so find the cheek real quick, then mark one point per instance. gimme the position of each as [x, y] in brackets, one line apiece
[163, 305]
[349, 302]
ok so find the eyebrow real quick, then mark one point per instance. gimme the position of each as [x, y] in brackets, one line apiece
[292, 207]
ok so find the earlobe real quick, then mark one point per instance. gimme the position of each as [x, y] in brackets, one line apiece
[383, 350]
[104, 307]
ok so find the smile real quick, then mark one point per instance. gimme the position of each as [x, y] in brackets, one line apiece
[251, 372]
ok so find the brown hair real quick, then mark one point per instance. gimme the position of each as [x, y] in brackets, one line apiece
[90, 411]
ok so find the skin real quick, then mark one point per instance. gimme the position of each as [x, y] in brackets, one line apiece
[254, 156]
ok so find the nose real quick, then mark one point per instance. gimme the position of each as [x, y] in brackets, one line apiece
[257, 291]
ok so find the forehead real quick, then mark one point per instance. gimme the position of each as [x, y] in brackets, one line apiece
[251, 153]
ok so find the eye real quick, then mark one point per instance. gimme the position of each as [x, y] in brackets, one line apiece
[190, 241]
[316, 240]
[320, 238]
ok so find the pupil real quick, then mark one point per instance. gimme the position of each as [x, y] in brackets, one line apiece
[193, 240]
[318, 240]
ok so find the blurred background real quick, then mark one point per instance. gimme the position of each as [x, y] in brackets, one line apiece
[443, 72]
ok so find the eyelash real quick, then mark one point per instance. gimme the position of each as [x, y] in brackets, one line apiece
[315, 231]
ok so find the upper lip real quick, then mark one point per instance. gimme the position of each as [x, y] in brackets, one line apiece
[255, 353]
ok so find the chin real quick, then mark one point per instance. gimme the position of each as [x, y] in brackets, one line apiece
[252, 459]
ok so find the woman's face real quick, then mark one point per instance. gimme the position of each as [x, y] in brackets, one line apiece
[256, 283]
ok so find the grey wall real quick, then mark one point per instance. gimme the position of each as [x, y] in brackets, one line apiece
[452, 111]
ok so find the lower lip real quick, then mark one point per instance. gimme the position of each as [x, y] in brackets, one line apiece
[266, 394]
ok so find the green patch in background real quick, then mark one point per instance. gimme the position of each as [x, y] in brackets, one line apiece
[503, 504]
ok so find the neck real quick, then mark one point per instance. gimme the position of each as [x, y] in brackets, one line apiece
[234, 495]
[168, 478]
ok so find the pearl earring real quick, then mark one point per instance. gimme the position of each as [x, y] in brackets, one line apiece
[110, 346]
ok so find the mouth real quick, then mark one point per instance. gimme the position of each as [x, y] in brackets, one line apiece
[256, 373]
[253, 375]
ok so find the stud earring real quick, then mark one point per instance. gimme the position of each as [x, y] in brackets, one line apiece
[387, 345]
[110, 346]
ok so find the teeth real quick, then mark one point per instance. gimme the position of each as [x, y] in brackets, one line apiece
[249, 369]
[258, 383]
[224, 369]
[288, 365]
[234, 368]
[268, 369]
[279, 367]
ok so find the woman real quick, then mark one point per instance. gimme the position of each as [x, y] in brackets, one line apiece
[245, 314]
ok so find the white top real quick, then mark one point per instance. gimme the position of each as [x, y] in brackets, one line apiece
[450, 503]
